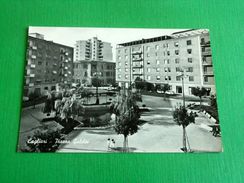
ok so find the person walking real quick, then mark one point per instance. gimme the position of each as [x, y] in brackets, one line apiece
[113, 143]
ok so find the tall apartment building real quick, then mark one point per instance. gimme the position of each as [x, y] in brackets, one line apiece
[161, 59]
[48, 64]
[93, 49]
[92, 56]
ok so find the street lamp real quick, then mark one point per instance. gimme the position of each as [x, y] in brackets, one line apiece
[183, 75]
[97, 83]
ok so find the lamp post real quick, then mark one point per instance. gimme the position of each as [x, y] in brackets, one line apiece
[97, 83]
[183, 75]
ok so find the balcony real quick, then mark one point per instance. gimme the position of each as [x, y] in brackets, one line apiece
[34, 47]
[137, 73]
[207, 53]
[66, 60]
[33, 56]
[137, 66]
[135, 52]
[54, 72]
[207, 63]
[31, 75]
[137, 59]
[31, 84]
[205, 44]
[208, 73]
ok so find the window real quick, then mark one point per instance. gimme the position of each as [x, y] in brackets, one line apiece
[189, 51]
[157, 62]
[188, 42]
[166, 45]
[157, 69]
[158, 78]
[39, 63]
[119, 57]
[176, 44]
[167, 69]
[148, 48]
[156, 54]
[189, 60]
[148, 55]
[119, 63]
[126, 69]
[149, 77]
[126, 57]
[148, 62]
[178, 78]
[148, 69]
[119, 76]
[205, 79]
[119, 69]
[166, 61]
[168, 53]
[125, 50]
[190, 69]
[126, 76]
[167, 78]
[177, 52]
[126, 63]
[177, 60]
[156, 47]
[118, 51]
[177, 69]
[191, 78]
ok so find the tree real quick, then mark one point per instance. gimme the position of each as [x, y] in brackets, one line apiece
[34, 96]
[199, 92]
[183, 118]
[127, 117]
[139, 83]
[164, 88]
[97, 83]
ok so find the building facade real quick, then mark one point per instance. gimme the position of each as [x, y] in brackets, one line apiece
[48, 64]
[93, 56]
[93, 49]
[166, 59]
[85, 70]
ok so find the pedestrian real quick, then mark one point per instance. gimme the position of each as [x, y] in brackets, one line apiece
[113, 143]
[108, 144]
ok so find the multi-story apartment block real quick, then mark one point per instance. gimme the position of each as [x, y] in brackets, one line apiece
[93, 49]
[164, 59]
[48, 64]
[93, 56]
[85, 70]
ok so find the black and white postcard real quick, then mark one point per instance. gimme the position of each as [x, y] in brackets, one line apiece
[119, 90]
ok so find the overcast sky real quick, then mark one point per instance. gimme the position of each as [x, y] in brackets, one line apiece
[69, 35]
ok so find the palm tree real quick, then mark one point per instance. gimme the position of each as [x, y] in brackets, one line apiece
[183, 118]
